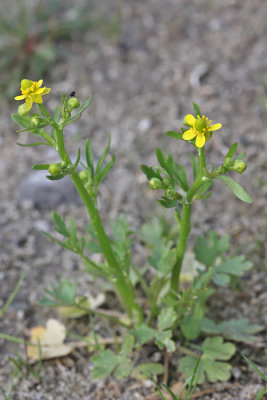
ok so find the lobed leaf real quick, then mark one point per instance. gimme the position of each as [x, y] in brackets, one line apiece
[239, 330]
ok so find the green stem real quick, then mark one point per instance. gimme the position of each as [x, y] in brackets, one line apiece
[185, 224]
[124, 288]
[181, 246]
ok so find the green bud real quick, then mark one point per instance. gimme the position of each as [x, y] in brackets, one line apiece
[22, 110]
[171, 192]
[239, 166]
[35, 121]
[67, 114]
[166, 182]
[228, 162]
[83, 175]
[63, 164]
[155, 183]
[55, 169]
[73, 102]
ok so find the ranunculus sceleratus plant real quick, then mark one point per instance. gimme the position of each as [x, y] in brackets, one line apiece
[158, 309]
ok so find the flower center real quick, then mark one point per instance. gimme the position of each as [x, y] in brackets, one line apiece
[200, 124]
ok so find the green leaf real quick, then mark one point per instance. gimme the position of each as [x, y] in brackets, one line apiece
[195, 166]
[103, 156]
[20, 120]
[238, 330]
[197, 110]
[191, 327]
[40, 167]
[176, 135]
[213, 349]
[264, 377]
[142, 334]
[163, 340]
[60, 224]
[162, 160]
[32, 144]
[144, 371]
[104, 364]
[207, 250]
[166, 318]
[167, 203]
[182, 177]
[235, 266]
[57, 114]
[232, 151]
[127, 345]
[150, 172]
[123, 369]
[64, 294]
[237, 189]
[105, 170]
[89, 156]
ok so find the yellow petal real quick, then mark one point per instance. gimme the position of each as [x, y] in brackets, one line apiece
[39, 83]
[47, 90]
[37, 98]
[190, 119]
[200, 140]
[21, 97]
[28, 103]
[215, 127]
[190, 134]
[39, 91]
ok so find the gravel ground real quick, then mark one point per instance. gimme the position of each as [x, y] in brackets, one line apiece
[143, 79]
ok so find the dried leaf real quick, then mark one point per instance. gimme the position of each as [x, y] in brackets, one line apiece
[48, 341]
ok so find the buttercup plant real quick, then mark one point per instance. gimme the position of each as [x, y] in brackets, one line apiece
[171, 311]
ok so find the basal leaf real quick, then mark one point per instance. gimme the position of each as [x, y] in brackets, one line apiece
[235, 266]
[217, 370]
[166, 318]
[104, 363]
[207, 250]
[213, 350]
[144, 371]
[143, 334]
[239, 330]
[123, 369]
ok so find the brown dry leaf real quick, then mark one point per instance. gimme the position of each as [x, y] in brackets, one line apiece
[48, 341]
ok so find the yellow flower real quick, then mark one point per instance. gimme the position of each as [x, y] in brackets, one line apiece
[32, 93]
[200, 128]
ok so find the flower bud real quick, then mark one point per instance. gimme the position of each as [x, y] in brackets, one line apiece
[238, 166]
[63, 164]
[155, 183]
[55, 169]
[35, 121]
[166, 182]
[73, 102]
[22, 110]
[228, 162]
[83, 175]
[171, 192]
